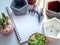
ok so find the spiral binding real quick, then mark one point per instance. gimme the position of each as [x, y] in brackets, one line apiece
[16, 31]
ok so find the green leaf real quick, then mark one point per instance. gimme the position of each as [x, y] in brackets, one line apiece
[37, 36]
[33, 41]
[3, 15]
[3, 21]
[0, 22]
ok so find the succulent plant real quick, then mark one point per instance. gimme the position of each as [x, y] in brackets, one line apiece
[3, 21]
[37, 39]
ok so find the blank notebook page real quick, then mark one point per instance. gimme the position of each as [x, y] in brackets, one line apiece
[26, 25]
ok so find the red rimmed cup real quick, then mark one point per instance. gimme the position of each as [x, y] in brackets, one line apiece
[31, 2]
[8, 30]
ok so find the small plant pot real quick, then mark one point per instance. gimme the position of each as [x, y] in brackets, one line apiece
[8, 30]
[19, 11]
[52, 29]
[31, 2]
[33, 36]
[53, 9]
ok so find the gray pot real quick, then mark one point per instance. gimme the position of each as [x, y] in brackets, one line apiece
[19, 11]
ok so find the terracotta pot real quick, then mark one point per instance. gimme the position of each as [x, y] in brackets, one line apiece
[9, 29]
[33, 35]
[31, 2]
[51, 39]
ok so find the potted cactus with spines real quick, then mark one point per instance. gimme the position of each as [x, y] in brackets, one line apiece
[6, 25]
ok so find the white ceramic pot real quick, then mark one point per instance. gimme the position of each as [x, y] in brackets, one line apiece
[52, 14]
[52, 29]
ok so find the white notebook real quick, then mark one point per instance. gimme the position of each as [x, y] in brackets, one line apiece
[26, 25]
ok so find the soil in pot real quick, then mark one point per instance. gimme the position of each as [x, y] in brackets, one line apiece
[20, 3]
[54, 6]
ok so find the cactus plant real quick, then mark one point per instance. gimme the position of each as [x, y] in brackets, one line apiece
[3, 21]
[6, 26]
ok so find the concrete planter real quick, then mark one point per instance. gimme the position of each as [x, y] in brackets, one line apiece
[19, 11]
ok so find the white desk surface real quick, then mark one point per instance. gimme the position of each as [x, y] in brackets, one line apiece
[11, 39]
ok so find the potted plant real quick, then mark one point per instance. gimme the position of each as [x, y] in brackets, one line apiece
[6, 25]
[37, 39]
